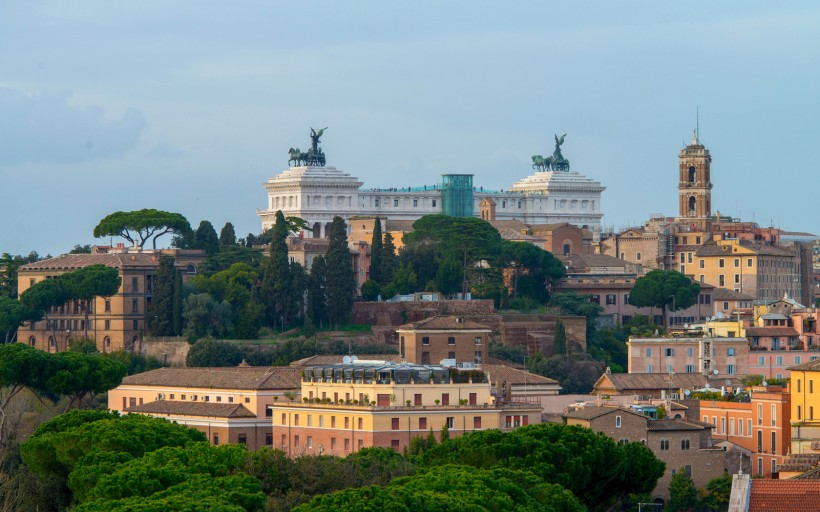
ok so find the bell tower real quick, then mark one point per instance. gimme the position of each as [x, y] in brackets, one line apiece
[695, 187]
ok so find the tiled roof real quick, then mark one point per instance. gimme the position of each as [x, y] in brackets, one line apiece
[807, 366]
[727, 294]
[713, 249]
[75, 261]
[629, 381]
[252, 377]
[501, 372]
[444, 323]
[784, 495]
[210, 409]
[670, 424]
[590, 413]
[508, 224]
[321, 360]
[593, 260]
[771, 331]
[515, 235]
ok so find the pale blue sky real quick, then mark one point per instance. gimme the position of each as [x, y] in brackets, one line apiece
[190, 106]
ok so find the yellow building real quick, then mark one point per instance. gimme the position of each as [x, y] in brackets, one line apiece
[229, 405]
[805, 408]
[116, 322]
[358, 404]
[762, 271]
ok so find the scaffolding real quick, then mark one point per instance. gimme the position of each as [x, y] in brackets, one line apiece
[457, 195]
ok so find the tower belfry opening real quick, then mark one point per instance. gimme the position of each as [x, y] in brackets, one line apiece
[695, 186]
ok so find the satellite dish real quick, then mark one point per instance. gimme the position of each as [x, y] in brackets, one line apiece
[353, 359]
[719, 315]
[346, 360]
[765, 383]
[716, 372]
[687, 392]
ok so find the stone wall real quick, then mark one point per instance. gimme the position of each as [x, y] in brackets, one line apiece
[169, 352]
[399, 313]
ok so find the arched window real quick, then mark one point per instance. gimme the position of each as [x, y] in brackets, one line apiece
[107, 343]
[317, 230]
[567, 249]
[190, 269]
[692, 204]
[51, 341]
[31, 341]
[692, 174]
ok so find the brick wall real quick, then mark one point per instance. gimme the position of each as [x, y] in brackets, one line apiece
[399, 313]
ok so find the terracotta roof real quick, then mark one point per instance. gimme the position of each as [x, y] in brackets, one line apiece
[630, 381]
[515, 235]
[713, 249]
[771, 331]
[590, 413]
[670, 424]
[508, 224]
[502, 372]
[784, 495]
[593, 260]
[727, 294]
[210, 409]
[807, 366]
[75, 261]
[252, 377]
[567, 284]
[322, 360]
[443, 323]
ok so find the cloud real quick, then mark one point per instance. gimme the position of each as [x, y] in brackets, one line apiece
[45, 128]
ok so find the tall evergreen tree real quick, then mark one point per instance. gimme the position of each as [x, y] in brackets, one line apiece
[227, 237]
[389, 262]
[317, 298]
[341, 284]
[205, 238]
[559, 344]
[376, 252]
[275, 274]
[296, 304]
[176, 315]
[161, 311]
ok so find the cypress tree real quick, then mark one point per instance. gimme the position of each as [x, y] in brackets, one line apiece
[317, 298]
[388, 255]
[275, 273]
[559, 344]
[227, 237]
[376, 252]
[341, 284]
[205, 238]
[177, 305]
[160, 313]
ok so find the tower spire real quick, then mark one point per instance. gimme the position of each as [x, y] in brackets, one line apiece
[697, 124]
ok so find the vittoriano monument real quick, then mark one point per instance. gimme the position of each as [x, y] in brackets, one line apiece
[314, 156]
[556, 162]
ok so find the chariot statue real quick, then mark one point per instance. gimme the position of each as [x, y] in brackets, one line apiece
[314, 156]
[556, 162]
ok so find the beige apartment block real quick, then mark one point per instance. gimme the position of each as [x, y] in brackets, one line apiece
[229, 405]
[358, 404]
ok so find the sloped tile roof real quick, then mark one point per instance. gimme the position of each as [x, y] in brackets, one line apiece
[75, 261]
[630, 381]
[444, 323]
[807, 366]
[590, 413]
[771, 331]
[251, 377]
[398, 225]
[502, 372]
[727, 294]
[670, 424]
[784, 495]
[209, 409]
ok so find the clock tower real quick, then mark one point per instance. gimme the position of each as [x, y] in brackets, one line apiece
[695, 187]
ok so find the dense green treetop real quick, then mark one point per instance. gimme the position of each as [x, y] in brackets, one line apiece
[462, 237]
[9, 265]
[376, 244]
[205, 238]
[227, 237]
[13, 314]
[340, 284]
[663, 288]
[573, 304]
[77, 375]
[453, 488]
[43, 295]
[591, 465]
[211, 352]
[138, 226]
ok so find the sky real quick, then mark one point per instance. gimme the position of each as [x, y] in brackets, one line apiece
[191, 106]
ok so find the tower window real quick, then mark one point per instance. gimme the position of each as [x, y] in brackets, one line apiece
[692, 174]
[692, 205]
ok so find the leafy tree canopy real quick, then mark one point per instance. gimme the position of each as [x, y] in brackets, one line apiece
[662, 288]
[89, 282]
[453, 488]
[138, 226]
[13, 314]
[211, 352]
[461, 237]
[591, 465]
[576, 305]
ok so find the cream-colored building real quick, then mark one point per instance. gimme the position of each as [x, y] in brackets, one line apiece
[229, 405]
[713, 356]
[358, 404]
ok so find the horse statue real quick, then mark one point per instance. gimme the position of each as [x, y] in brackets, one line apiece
[541, 163]
[296, 156]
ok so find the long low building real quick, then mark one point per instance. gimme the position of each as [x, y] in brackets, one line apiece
[230, 405]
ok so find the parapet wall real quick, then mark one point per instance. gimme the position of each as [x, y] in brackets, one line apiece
[399, 313]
